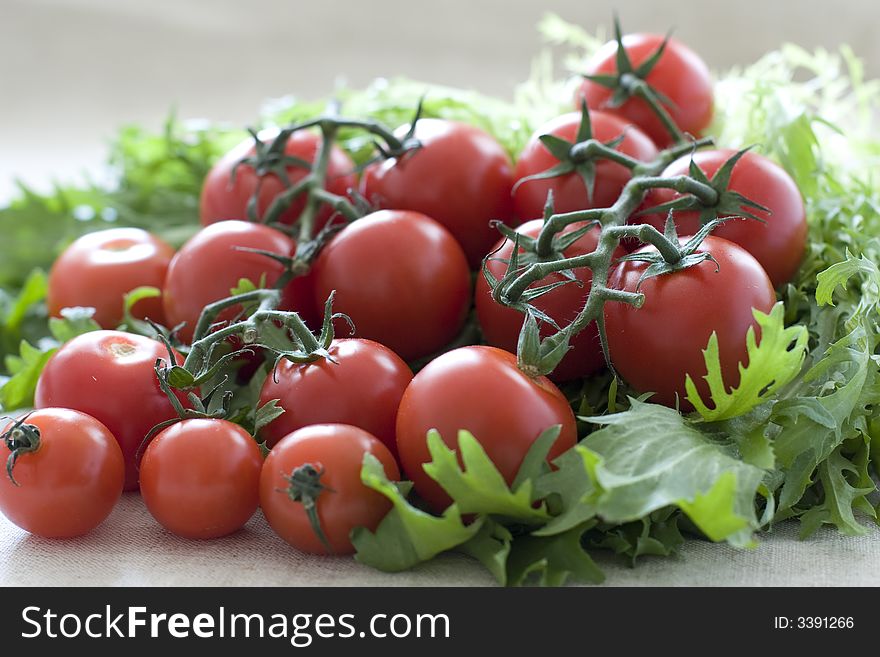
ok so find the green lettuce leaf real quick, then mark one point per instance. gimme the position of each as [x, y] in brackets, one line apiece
[657, 534]
[17, 391]
[478, 487]
[406, 536]
[552, 560]
[839, 274]
[846, 376]
[772, 364]
[651, 457]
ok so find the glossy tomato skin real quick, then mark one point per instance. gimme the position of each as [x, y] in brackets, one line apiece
[460, 176]
[360, 384]
[401, 277]
[569, 191]
[210, 264]
[109, 375]
[501, 325]
[780, 243]
[482, 390]
[71, 483]
[224, 199]
[200, 478]
[338, 450]
[680, 75]
[99, 268]
[654, 347]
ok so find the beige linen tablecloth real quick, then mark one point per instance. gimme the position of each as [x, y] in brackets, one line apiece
[131, 549]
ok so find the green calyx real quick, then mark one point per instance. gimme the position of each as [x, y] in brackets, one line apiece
[20, 438]
[305, 487]
[209, 360]
[673, 257]
[271, 159]
[398, 148]
[580, 156]
[629, 81]
[726, 202]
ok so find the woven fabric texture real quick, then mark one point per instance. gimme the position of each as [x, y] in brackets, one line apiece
[131, 549]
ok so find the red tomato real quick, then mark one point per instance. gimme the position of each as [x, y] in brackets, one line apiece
[501, 325]
[210, 264]
[336, 451]
[200, 478]
[780, 243]
[680, 75]
[479, 389]
[109, 375]
[99, 268]
[361, 384]
[569, 191]
[460, 177]
[402, 279]
[654, 347]
[70, 483]
[224, 199]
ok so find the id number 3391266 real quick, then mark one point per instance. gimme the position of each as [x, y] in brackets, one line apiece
[814, 623]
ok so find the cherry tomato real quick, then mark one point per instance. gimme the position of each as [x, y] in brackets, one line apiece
[569, 191]
[680, 76]
[70, 482]
[501, 325]
[460, 176]
[780, 243]
[360, 384]
[109, 375]
[200, 478]
[99, 268]
[402, 279]
[210, 264]
[335, 453]
[654, 347]
[482, 390]
[222, 198]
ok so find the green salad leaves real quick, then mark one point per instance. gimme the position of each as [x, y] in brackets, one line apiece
[798, 438]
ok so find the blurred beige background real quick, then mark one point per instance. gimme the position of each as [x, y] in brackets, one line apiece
[72, 70]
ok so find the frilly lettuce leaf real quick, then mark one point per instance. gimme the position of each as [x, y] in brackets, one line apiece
[478, 487]
[772, 364]
[407, 535]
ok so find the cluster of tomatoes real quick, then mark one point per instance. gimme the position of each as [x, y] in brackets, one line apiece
[403, 274]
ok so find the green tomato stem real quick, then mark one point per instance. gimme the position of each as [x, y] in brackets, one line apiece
[646, 176]
[642, 90]
[593, 149]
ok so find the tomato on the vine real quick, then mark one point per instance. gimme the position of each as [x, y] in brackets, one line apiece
[402, 279]
[321, 465]
[654, 347]
[210, 264]
[680, 76]
[200, 478]
[226, 198]
[110, 375]
[360, 383]
[501, 325]
[99, 268]
[569, 190]
[479, 389]
[779, 243]
[459, 176]
[67, 474]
